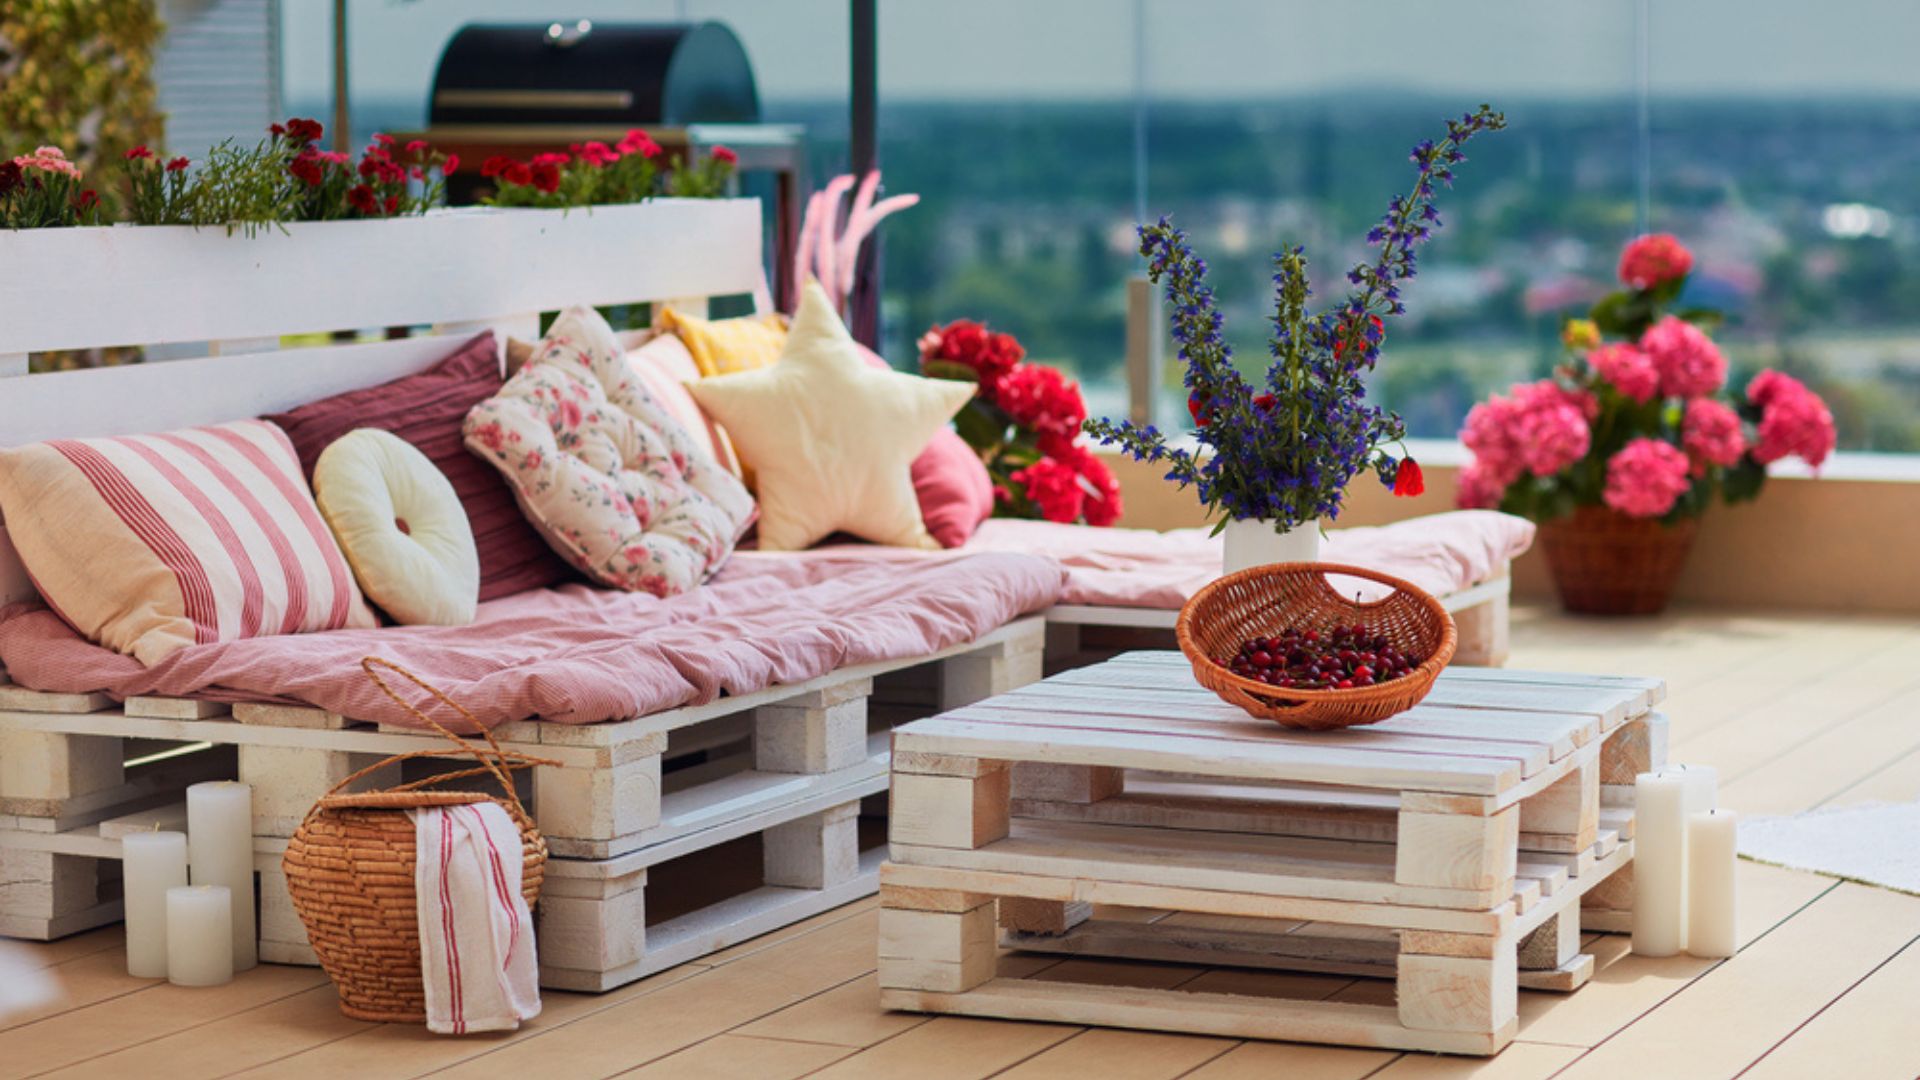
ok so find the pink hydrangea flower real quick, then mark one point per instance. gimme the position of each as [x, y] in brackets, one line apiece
[1793, 420]
[1478, 487]
[1629, 370]
[1646, 478]
[1710, 434]
[1551, 431]
[1489, 434]
[1540, 428]
[1689, 362]
[1651, 260]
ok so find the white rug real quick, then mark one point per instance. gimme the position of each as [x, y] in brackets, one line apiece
[1878, 843]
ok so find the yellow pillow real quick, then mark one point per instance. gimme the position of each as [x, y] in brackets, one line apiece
[724, 346]
[831, 438]
[402, 527]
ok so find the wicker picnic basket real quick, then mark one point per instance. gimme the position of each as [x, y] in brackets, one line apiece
[1263, 600]
[350, 866]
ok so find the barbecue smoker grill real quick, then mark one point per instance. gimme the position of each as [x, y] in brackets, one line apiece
[521, 90]
[582, 73]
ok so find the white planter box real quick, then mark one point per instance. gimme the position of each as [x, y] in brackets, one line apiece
[142, 285]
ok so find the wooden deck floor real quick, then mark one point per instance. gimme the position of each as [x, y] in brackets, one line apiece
[1796, 711]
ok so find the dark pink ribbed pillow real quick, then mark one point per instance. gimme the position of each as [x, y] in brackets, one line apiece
[427, 409]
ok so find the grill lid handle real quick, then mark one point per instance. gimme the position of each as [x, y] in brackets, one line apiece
[562, 36]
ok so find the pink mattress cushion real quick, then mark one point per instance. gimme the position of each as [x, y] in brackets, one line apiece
[950, 481]
[1441, 553]
[426, 409]
[577, 654]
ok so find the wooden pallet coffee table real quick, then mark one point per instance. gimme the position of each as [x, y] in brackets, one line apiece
[1448, 848]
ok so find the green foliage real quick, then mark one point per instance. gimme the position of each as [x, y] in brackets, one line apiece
[245, 187]
[78, 74]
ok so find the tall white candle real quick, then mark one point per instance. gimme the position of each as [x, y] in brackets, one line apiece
[200, 935]
[1710, 894]
[1702, 784]
[152, 863]
[1659, 863]
[220, 843]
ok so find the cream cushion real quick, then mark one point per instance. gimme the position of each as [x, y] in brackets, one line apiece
[147, 544]
[831, 440]
[603, 471]
[401, 526]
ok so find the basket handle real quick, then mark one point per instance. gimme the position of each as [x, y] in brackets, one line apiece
[500, 764]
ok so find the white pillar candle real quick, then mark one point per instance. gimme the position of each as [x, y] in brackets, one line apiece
[152, 863]
[220, 844]
[1659, 863]
[1710, 898]
[1702, 786]
[200, 935]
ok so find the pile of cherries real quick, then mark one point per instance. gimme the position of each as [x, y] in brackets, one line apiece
[1342, 658]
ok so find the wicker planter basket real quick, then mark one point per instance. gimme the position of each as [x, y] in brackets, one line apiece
[1605, 563]
[350, 869]
[1264, 600]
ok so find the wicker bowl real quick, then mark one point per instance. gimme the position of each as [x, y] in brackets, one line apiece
[1264, 600]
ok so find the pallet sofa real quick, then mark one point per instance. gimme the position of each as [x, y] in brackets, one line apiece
[674, 833]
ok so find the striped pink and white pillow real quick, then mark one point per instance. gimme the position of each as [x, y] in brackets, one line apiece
[150, 543]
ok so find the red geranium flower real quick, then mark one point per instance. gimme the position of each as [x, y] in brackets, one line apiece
[138, 153]
[392, 205]
[86, 200]
[638, 142]
[518, 172]
[177, 164]
[721, 153]
[303, 130]
[546, 177]
[1199, 406]
[551, 158]
[495, 165]
[1040, 399]
[1054, 487]
[1408, 480]
[385, 140]
[447, 167]
[361, 198]
[417, 146]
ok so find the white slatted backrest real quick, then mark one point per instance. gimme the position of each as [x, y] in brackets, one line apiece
[458, 271]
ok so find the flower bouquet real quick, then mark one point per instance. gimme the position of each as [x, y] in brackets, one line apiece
[1023, 423]
[1626, 445]
[1276, 457]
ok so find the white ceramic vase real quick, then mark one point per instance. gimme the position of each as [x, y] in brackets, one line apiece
[1257, 543]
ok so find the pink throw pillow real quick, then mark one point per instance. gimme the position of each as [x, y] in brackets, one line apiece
[951, 482]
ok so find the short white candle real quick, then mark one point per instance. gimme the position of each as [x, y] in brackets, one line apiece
[152, 863]
[1710, 895]
[1659, 863]
[200, 935]
[220, 845]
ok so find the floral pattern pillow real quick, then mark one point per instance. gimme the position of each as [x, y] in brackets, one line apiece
[602, 469]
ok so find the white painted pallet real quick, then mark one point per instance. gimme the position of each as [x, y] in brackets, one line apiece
[789, 764]
[1450, 848]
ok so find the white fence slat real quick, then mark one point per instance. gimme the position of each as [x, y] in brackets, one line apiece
[148, 285]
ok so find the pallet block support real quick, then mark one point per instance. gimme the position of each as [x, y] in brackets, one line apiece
[1569, 808]
[604, 801]
[816, 732]
[1458, 851]
[41, 770]
[950, 811]
[1459, 993]
[949, 952]
[814, 852]
[1009, 664]
[288, 780]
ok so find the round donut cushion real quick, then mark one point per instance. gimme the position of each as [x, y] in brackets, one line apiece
[401, 526]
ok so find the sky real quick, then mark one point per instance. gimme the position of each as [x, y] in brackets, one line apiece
[1076, 50]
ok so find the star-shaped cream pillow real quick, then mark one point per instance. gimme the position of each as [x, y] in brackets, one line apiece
[830, 438]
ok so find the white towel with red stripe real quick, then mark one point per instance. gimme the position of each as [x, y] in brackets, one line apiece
[476, 934]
